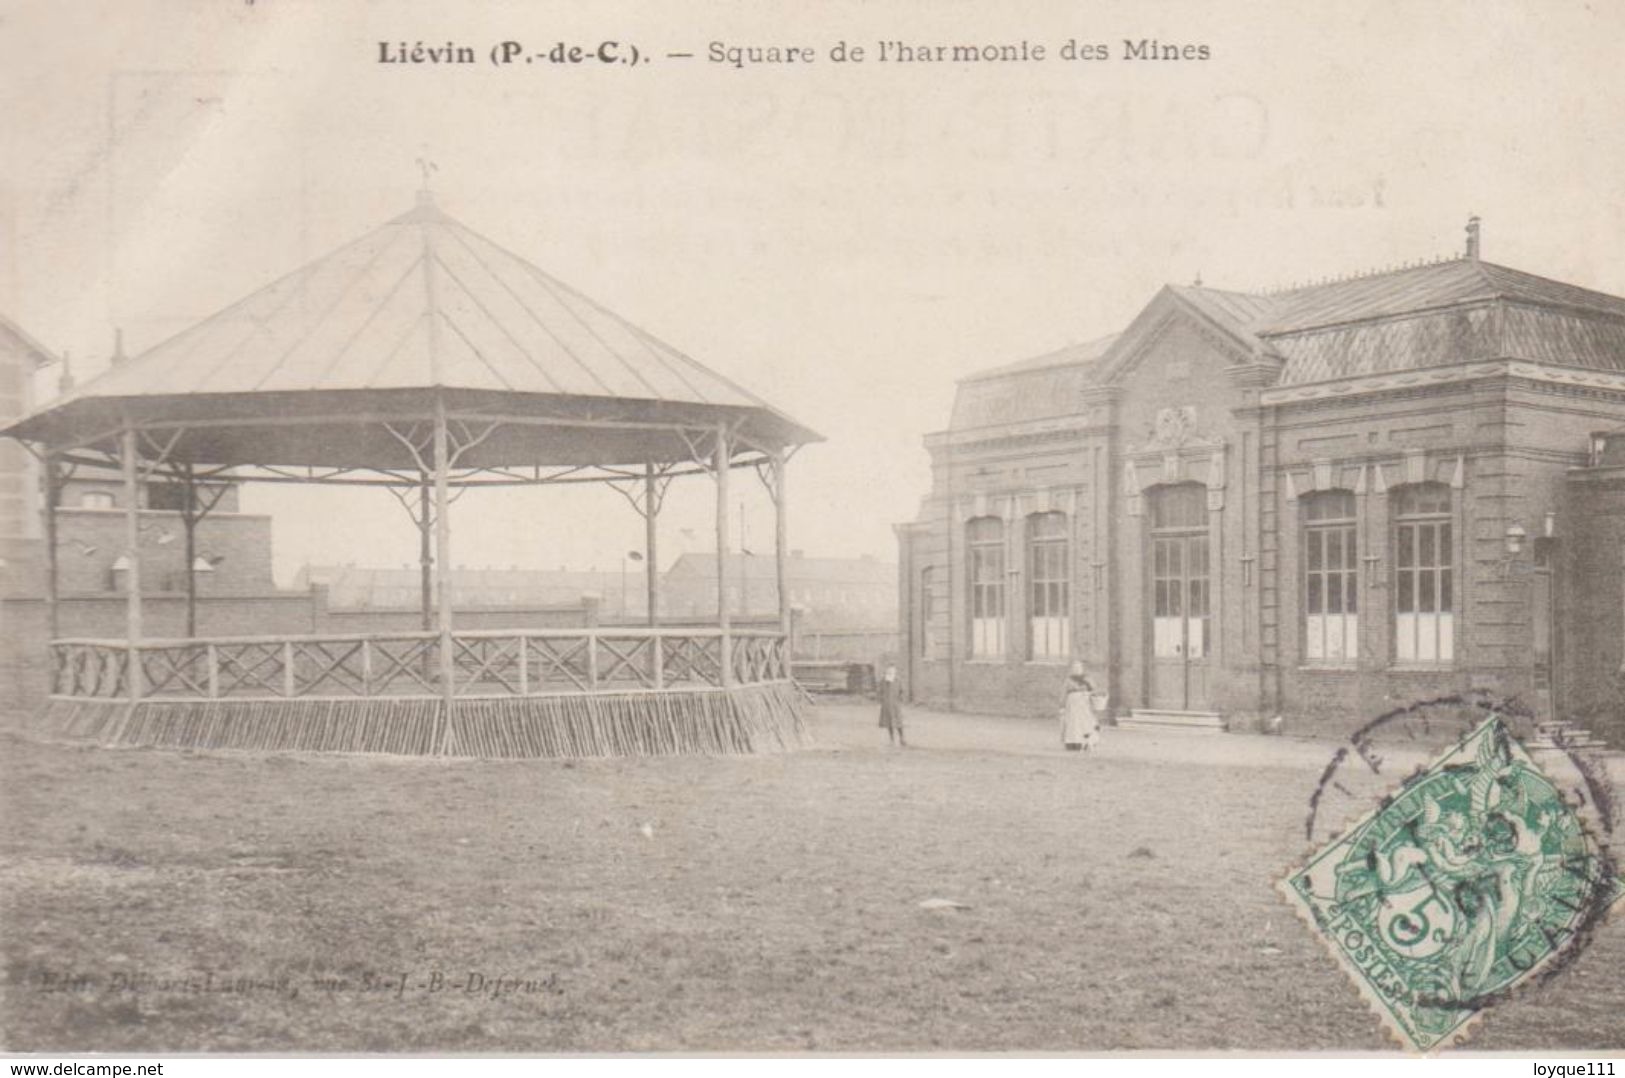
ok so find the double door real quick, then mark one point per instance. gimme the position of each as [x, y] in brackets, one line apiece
[1181, 604]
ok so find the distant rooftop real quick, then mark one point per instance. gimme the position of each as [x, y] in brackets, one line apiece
[373, 587]
[798, 568]
[364, 587]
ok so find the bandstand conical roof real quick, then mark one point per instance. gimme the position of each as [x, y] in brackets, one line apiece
[311, 368]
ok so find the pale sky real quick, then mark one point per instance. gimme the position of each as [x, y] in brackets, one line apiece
[845, 240]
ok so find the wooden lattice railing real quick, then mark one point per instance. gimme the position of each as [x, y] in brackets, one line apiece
[485, 663]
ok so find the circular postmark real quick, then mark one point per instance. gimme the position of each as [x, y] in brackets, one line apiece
[1445, 882]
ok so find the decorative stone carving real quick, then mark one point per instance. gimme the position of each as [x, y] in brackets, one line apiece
[1174, 431]
[1176, 452]
[1174, 426]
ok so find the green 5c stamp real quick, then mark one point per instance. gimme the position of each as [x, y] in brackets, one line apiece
[1472, 879]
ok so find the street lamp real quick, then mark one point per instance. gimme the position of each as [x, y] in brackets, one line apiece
[1513, 537]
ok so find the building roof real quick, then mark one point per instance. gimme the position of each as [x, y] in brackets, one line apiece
[1043, 387]
[41, 355]
[420, 304]
[1450, 312]
[797, 568]
[362, 587]
[1446, 312]
[1071, 355]
[420, 301]
[1423, 288]
[1241, 312]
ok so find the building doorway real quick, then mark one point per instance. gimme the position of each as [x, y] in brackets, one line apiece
[1181, 598]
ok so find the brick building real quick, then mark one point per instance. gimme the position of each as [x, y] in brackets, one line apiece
[233, 555]
[233, 548]
[22, 544]
[1310, 505]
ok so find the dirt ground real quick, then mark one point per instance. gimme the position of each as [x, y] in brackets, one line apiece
[177, 902]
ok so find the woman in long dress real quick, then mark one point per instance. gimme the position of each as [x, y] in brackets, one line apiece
[891, 706]
[1080, 718]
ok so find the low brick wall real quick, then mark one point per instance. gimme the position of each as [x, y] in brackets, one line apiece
[1316, 702]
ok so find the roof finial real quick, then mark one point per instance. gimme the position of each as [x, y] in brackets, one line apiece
[1472, 237]
[425, 193]
[64, 381]
[118, 346]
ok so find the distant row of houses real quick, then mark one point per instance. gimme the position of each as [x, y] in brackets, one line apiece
[845, 592]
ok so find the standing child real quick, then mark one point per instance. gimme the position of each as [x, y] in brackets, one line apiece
[891, 706]
[1080, 718]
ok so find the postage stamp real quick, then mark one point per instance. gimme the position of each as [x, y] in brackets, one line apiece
[1474, 878]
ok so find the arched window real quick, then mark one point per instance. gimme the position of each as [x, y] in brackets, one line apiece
[1331, 577]
[1049, 600]
[1424, 575]
[928, 609]
[985, 538]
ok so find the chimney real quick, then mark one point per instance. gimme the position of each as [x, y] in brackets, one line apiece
[118, 347]
[64, 381]
[1472, 238]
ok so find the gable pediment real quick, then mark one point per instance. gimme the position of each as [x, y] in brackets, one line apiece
[1169, 315]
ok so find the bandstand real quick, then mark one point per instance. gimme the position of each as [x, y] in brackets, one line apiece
[425, 359]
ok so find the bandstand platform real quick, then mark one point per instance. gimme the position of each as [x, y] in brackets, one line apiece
[426, 360]
[523, 693]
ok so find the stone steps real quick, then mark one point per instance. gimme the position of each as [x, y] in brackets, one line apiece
[1193, 722]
